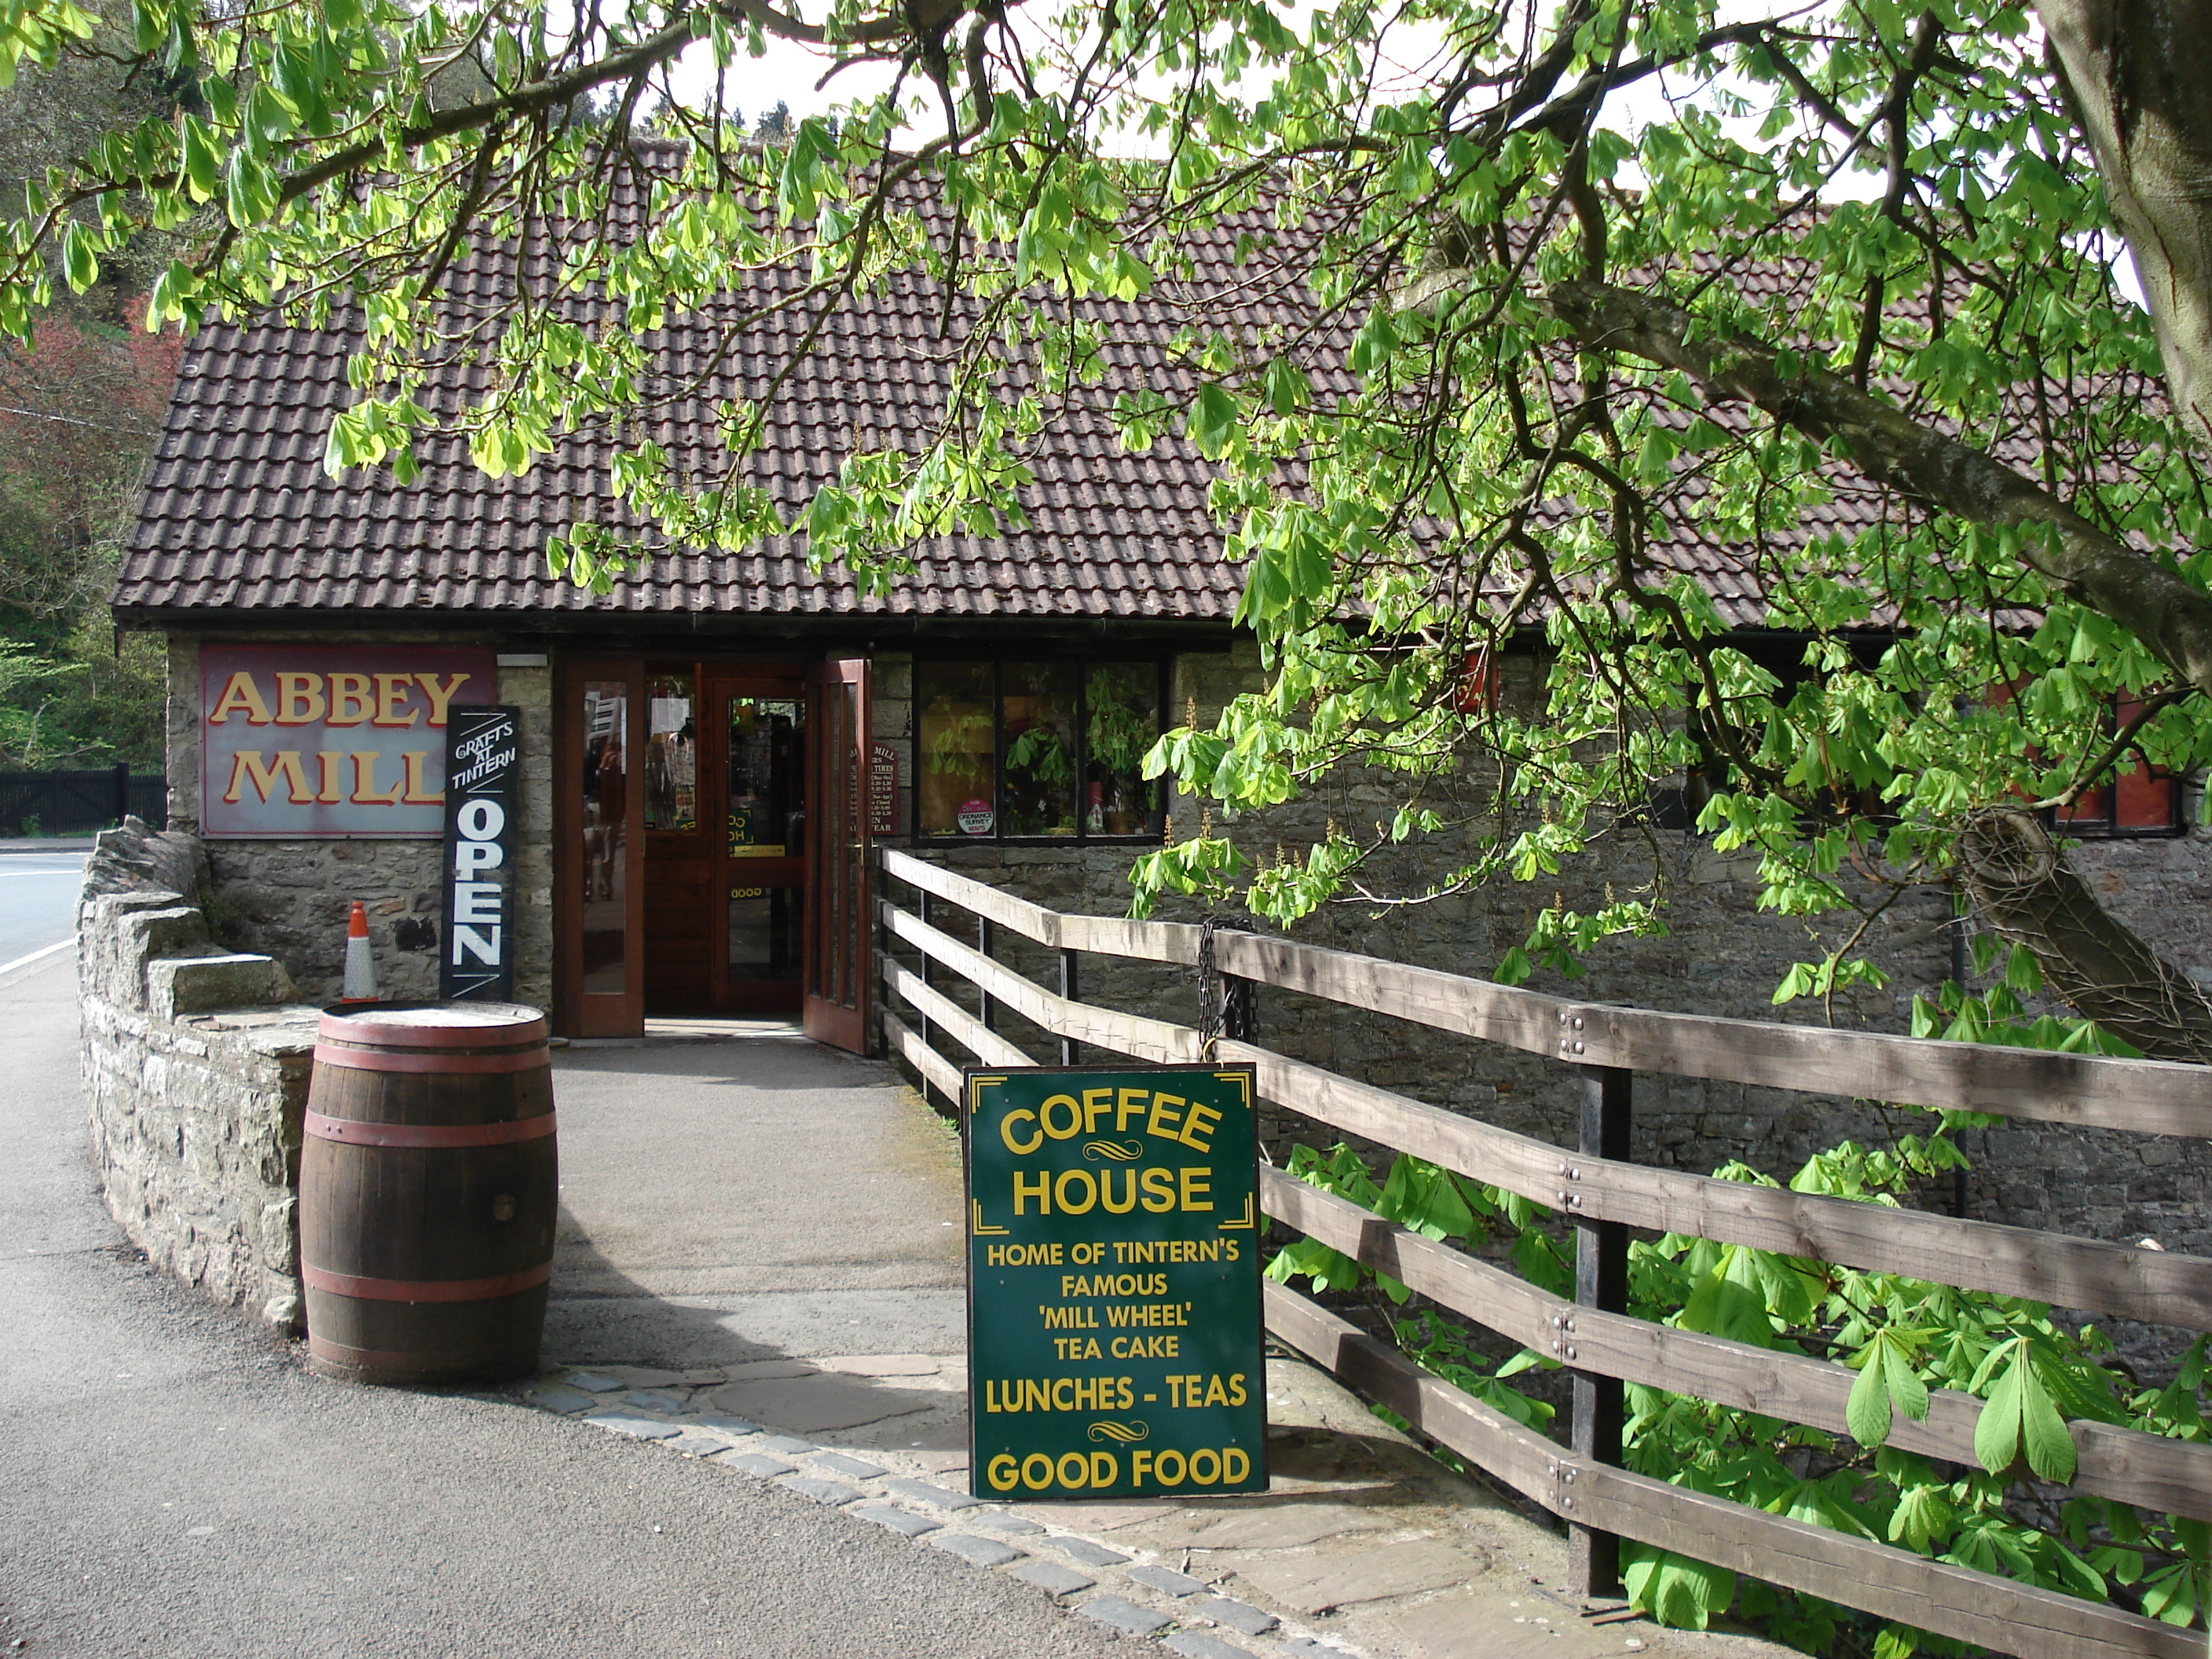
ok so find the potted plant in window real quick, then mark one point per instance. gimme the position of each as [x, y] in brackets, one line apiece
[1117, 736]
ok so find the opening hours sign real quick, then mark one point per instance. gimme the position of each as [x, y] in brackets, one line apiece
[1113, 1331]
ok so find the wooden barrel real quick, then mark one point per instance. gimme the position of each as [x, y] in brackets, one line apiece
[428, 1184]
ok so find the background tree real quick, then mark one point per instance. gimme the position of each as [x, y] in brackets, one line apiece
[1826, 301]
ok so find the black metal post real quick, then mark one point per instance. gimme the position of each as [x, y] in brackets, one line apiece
[1237, 1018]
[986, 940]
[1600, 1282]
[122, 791]
[1069, 1048]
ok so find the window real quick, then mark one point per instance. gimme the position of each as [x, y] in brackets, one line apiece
[1036, 750]
[2135, 800]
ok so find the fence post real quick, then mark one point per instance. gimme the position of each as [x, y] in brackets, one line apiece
[879, 994]
[122, 792]
[1069, 1052]
[1600, 1282]
[928, 972]
[986, 940]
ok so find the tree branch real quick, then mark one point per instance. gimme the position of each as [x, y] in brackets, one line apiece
[2170, 616]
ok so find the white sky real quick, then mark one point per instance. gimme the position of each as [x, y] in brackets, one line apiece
[787, 73]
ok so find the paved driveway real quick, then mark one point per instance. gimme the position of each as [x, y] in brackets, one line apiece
[171, 1483]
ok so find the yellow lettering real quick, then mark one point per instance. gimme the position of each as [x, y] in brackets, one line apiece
[1097, 1103]
[247, 766]
[1235, 1466]
[440, 698]
[1236, 1387]
[1197, 1182]
[1165, 1123]
[1128, 1191]
[299, 699]
[330, 764]
[240, 692]
[1075, 1117]
[1159, 1190]
[1020, 1148]
[414, 794]
[391, 693]
[1042, 1191]
[1198, 1128]
[1074, 1185]
[364, 782]
[350, 704]
[1131, 1104]
[1003, 1473]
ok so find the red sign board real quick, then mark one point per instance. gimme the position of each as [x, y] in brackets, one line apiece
[300, 741]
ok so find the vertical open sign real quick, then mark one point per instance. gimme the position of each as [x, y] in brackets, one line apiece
[482, 759]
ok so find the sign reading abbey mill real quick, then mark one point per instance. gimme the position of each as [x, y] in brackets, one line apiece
[1114, 1334]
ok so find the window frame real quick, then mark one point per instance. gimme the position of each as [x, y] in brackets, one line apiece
[1155, 820]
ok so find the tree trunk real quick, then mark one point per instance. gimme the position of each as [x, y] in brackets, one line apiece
[2025, 890]
[2139, 73]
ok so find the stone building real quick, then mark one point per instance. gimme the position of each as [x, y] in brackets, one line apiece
[704, 747]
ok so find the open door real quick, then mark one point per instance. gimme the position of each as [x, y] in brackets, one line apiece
[599, 849]
[838, 957]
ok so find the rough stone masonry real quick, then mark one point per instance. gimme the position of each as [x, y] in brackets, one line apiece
[197, 1064]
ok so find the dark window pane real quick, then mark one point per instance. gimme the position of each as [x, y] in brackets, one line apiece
[672, 753]
[1121, 721]
[606, 737]
[1038, 715]
[954, 791]
[765, 933]
[767, 777]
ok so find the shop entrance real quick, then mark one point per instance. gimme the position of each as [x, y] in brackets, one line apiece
[714, 844]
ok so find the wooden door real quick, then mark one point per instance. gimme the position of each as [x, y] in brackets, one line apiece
[758, 715]
[599, 847]
[838, 958]
[679, 785]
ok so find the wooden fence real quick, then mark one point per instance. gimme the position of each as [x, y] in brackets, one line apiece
[1603, 1194]
[65, 803]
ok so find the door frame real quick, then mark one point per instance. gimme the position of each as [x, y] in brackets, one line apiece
[598, 1013]
[835, 1006]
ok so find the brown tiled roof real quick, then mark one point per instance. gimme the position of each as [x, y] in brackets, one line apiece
[238, 514]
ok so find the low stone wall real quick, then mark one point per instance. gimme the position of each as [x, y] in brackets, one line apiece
[196, 1068]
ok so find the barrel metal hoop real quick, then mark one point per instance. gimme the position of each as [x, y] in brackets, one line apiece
[356, 1132]
[422, 1290]
[449, 1064]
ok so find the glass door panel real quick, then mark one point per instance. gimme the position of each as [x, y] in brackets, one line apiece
[838, 959]
[763, 848]
[599, 846]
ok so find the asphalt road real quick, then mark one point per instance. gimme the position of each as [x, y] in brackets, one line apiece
[38, 902]
[171, 1483]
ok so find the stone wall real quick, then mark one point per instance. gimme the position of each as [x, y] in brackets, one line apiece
[1722, 955]
[291, 898]
[196, 1065]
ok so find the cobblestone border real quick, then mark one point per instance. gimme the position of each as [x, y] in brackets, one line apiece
[1139, 1598]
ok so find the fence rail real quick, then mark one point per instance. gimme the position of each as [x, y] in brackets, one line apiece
[49, 803]
[1602, 1192]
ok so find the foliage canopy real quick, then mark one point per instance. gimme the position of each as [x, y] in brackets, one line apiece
[1818, 308]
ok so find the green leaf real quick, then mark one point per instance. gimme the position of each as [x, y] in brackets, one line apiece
[1212, 420]
[202, 161]
[80, 263]
[1866, 1412]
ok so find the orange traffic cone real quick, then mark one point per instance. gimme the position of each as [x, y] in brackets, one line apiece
[359, 967]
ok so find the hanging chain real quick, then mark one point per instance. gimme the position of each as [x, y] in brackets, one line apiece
[1213, 985]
